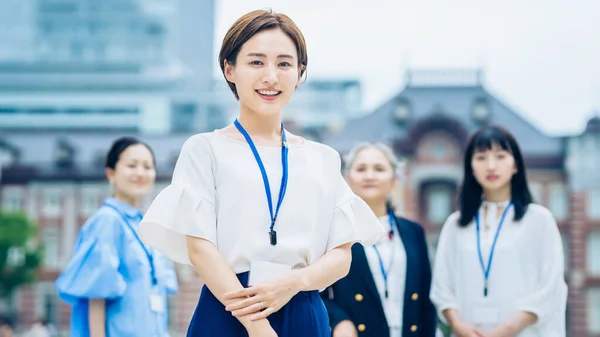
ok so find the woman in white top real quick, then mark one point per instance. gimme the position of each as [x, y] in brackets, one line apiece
[499, 265]
[386, 292]
[253, 205]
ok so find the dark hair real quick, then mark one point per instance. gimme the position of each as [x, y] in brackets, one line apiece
[120, 145]
[253, 23]
[471, 191]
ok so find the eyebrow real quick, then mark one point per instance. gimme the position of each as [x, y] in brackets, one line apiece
[285, 56]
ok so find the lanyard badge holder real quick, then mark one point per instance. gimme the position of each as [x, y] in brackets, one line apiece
[486, 270]
[284, 177]
[156, 299]
[385, 273]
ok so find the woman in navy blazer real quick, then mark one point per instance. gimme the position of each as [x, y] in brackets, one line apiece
[386, 292]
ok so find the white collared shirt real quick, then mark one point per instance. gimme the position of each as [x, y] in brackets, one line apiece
[393, 306]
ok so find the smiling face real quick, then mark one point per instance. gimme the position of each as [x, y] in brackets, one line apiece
[371, 175]
[134, 173]
[266, 72]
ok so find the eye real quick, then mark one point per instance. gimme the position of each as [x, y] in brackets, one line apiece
[256, 63]
[285, 64]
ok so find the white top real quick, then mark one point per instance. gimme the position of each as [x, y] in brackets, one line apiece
[527, 272]
[393, 306]
[217, 193]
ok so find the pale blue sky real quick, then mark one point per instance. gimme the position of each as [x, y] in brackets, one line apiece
[542, 57]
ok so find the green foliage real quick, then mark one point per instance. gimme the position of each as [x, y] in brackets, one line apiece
[20, 257]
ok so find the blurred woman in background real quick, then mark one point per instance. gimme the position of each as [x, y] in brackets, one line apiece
[386, 292]
[116, 284]
[499, 267]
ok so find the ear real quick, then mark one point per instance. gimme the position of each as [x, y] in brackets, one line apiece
[300, 69]
[228, 70]
[110, 174]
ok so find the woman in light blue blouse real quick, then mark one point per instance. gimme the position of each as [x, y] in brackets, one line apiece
[116, 284]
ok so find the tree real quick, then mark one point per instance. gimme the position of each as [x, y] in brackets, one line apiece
[20, 256]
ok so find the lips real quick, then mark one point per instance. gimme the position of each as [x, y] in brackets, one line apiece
[492, 177]
[268, 94]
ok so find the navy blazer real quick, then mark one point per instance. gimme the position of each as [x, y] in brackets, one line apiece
[355, 297]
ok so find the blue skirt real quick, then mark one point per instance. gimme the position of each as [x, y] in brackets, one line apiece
[304, 315]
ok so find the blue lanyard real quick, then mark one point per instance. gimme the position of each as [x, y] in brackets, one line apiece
[385, 273]
[284, 177]
[486, 271]
[148, 252]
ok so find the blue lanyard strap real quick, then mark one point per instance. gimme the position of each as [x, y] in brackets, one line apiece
[135, 234]
[385, 273]
[486, 270]
[261, 166]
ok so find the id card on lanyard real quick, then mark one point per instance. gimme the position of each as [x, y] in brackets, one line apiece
[284, 177]
[156, 300]
[385, 273]
[486, 269]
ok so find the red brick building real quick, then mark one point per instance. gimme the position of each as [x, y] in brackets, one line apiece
[57, 179]
[428, 124]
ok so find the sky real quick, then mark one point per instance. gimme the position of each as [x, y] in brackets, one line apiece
[541, 57]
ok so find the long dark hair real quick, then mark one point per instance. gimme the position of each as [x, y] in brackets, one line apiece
[471, 191]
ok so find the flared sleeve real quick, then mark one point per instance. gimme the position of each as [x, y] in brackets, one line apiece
[186, 206]
[548, 301]
[443, 288]
[353, 220]
[93, 271]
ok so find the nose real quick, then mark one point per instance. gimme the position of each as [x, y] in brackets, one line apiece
[369, 174]
[491, 163]
[270, 77]
[139, 171]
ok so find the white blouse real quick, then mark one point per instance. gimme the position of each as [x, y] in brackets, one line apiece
[393, 306]
[527, 272]
[217, 193]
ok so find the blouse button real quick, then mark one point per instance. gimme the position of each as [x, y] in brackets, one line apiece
[362, 327]
[413, 328]
[415, 296]
[358, 297]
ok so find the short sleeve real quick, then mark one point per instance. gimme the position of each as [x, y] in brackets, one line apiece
[93, 271]
[353, 220]
[186, 206]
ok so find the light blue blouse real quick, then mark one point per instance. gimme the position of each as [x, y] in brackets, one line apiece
[109, 262]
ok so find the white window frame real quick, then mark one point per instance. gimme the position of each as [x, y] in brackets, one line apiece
[537, 192]
[52, 203]
[431, 191]
[12, 200]
[593, 253]
[90, 201]
[558, 201]
[51, 248]
[593, 310]
[593, 204]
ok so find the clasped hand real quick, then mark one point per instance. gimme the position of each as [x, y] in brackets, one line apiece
[264, 299]
[462, 329]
